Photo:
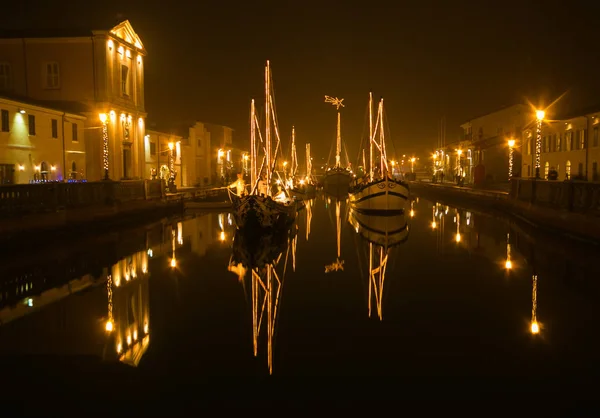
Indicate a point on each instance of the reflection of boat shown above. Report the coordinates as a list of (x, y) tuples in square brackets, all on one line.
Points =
[(381, 193), (262, 255), (338, 264), (257, 209), (386, 231), (381, 234)]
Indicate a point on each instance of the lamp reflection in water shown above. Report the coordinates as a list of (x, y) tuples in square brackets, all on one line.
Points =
[(127, 323), (508, 264), (266, 257), (338, 264), (381, 234), (535, 326), (412, 208)]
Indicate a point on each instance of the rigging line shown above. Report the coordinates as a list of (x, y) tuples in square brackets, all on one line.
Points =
[(363, 134), (388, 134)]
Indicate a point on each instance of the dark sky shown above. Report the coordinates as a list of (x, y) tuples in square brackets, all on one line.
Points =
[(456, 59)]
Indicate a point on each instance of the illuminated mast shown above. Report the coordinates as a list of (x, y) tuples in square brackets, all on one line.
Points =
[(338, 150)]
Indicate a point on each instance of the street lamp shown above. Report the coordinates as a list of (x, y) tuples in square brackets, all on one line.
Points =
[(511, 145), (171, 162), (539, 114), (104, 121), (412, 164)]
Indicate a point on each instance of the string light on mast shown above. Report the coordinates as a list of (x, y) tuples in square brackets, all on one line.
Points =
[(539, 114)]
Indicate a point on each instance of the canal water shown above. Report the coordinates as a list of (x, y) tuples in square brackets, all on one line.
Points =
[(459, 296)]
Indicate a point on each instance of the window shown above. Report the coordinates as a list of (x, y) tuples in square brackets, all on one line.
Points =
[(595, 140), (5, 76), (32, 125), (546, 170), (568, 170), (558, 141), (52, 75), (595, 171), (5, 125), (581, 140), (54, 128), (569, 141), (580, 169), (75, 138), (152, 148), (124, 80), (73, 173), (199, 143)]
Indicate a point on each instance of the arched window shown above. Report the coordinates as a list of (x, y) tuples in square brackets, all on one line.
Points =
[(546, 170), (568, 170)]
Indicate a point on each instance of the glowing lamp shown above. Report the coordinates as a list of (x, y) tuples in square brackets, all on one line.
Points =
[(102, 117), (535, 328), (171, 145), (540, 114), (109, 326), (511, 143)]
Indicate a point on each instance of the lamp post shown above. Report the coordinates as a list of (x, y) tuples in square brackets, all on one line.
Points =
[(511, 145), (412, 164), (171, 161), (539, 114), (104, 121)]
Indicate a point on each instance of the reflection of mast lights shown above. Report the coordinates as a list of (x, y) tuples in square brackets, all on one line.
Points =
[(110, 321), (179, 233), (433, 223), (173, 259), (412, 210)]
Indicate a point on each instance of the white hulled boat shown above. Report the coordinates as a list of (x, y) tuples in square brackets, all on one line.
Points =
[(382, 193)]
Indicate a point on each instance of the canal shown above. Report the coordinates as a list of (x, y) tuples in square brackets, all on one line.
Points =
[(462, 297)]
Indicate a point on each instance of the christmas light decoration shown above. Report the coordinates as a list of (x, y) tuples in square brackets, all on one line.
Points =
[(538, 141), (104, 121)]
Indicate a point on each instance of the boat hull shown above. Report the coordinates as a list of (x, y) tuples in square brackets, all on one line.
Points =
[(337, 182), (385, 196), (262, 213), (304, 192)]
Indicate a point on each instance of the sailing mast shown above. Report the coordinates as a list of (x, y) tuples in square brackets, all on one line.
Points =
[(338, 149), (253, 173), (382, 142), (370, 136), (268, 126), (308, 164), (294, 165)]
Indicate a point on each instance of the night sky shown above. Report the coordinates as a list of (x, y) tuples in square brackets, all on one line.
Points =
[(427, 59)]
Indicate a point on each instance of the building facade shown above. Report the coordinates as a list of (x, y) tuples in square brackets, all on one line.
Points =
[(40, 144), (100, 69), (569, 147), (488, 139), (163, 153)]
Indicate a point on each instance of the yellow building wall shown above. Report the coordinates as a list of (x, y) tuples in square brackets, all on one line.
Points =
[(40, 156)]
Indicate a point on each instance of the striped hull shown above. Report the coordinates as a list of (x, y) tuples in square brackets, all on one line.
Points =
[(383, 196)]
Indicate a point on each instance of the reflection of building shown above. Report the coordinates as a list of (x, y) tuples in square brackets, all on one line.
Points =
[(39, 143), (129, 307), (487, 136), (102, 71)]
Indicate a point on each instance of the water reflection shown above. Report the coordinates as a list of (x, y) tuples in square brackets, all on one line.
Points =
[(266, 258), (338, 264), (381, 234)]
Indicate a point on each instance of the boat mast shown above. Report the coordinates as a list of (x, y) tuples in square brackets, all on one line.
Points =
[(253, 174), (381, 141), (364, 162), (370, 136), (268, 126), (337, 103), (308, 164), (338, 149), (294, 165)]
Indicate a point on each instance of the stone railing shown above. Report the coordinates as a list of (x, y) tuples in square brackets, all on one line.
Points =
[(46, 197), (573, 196)]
